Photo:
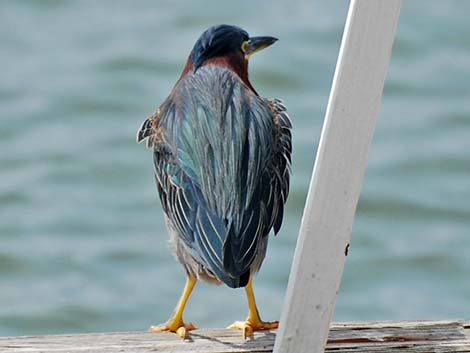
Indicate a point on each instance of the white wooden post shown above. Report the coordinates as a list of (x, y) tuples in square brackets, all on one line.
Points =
[(337, 176)]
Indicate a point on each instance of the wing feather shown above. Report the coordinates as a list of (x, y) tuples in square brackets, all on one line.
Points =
[(222, 163)]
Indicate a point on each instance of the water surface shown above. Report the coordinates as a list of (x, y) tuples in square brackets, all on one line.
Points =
[(82, 242)]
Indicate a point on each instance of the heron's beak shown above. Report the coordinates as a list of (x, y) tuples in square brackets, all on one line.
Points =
[(255, 44)]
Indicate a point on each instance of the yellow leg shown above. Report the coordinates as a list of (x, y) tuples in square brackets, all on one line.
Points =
[(253, 321), (176, 323)]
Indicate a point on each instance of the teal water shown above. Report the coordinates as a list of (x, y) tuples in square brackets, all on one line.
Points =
[(82, 242)]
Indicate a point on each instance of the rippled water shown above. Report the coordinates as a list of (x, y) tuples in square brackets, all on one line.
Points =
[(82, 242)]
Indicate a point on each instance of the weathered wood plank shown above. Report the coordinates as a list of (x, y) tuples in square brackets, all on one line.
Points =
[(377, 337), (337, 176)]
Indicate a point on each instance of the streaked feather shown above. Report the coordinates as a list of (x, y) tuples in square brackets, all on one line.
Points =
[(222, 164)]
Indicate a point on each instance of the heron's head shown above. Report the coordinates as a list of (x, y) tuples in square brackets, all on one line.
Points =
[(227, 41)]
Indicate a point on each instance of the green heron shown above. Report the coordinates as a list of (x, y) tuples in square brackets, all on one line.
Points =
[(221, 156)]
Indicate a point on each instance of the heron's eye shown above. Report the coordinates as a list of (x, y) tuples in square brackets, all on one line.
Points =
[(244, 46)]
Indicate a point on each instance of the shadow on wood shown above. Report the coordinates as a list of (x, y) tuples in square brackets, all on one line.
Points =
[(388, 336)]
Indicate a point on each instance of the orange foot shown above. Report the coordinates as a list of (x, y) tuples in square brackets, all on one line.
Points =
[(249, 326), (177, 326)]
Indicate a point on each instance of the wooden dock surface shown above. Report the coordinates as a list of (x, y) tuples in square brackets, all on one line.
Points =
[(388, 336)]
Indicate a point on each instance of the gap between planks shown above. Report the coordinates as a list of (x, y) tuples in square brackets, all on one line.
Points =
[(387, 336)]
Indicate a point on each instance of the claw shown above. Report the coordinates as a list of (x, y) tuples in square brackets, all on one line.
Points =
[(253, 321), (175, 323), (248, 327), (180, 328)]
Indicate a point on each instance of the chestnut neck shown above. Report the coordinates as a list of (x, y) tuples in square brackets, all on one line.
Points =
[(234, 62)]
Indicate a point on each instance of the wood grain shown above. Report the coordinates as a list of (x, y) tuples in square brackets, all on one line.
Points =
[(336, 181), (377, 337)]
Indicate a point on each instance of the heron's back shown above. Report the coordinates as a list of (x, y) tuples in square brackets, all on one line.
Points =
[(215, 170)]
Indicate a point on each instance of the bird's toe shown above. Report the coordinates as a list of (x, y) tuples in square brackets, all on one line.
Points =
[(180, 328), (249, 326)]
